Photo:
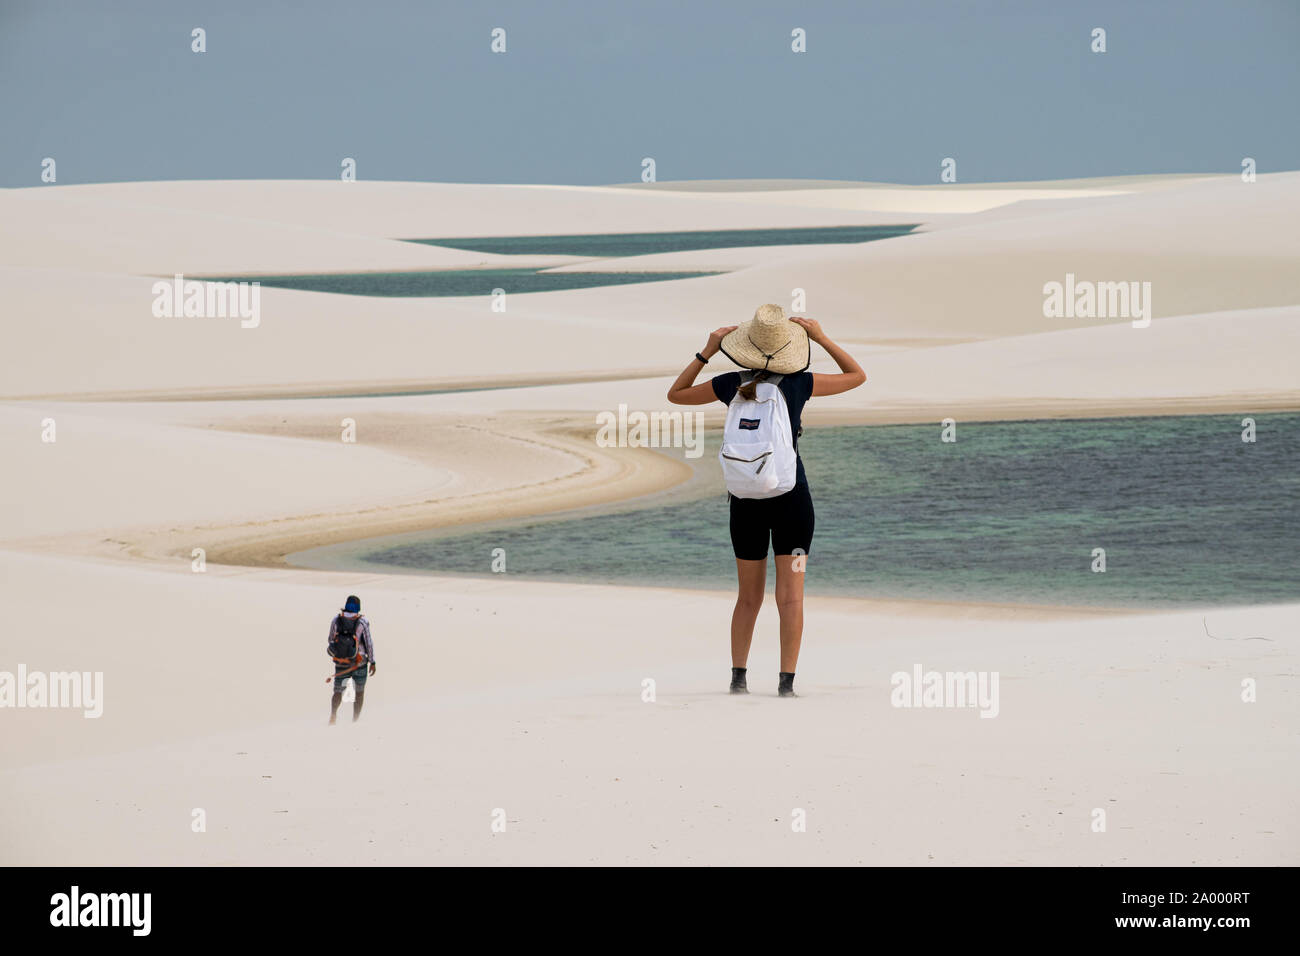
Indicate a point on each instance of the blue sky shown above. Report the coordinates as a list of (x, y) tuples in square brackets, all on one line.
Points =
[(886, 91)]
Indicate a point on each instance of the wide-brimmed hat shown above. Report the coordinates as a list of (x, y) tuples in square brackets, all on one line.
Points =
[(769, 342)]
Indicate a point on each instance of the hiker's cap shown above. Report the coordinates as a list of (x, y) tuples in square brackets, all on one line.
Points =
[(353, 604), (769, 342)]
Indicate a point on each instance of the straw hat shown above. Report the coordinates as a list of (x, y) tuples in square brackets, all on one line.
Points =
[(769, 342)]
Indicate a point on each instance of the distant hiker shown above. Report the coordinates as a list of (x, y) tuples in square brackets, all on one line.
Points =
[(353, 652), (767, 488)]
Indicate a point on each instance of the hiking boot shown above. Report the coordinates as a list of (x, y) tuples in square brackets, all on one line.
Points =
[(785, 685), (738, 685)]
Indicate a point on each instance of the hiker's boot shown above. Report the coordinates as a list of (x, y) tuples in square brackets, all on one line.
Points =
[(785, 685), (738, 685)]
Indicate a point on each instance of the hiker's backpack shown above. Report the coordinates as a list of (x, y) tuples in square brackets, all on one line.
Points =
[(344, 645), (758, 456)]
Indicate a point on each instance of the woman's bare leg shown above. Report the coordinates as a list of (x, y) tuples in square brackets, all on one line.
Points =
[(751, 576), (789, 603)]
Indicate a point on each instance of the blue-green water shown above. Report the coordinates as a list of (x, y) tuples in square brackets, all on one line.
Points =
[(456, 282), (480, 282), (1188, 515), (646, 243)]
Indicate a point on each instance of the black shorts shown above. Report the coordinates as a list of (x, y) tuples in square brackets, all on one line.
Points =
[(787, 520)]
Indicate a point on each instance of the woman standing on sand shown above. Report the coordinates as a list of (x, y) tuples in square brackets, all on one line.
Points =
[(775, 348)]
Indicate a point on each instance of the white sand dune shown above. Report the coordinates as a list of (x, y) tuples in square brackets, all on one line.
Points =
[(1205, 246), (1164, 365), (496, 693), (453, 210), (907, 200), (1141, 182), (114, 471), (52, 230), (95, 334)]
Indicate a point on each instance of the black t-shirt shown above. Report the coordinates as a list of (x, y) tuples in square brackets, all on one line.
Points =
[(796, 388)]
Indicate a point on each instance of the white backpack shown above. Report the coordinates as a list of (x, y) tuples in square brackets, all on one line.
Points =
[(758, 457)]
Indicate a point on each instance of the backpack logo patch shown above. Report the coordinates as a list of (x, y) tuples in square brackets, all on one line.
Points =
[(749, 424)]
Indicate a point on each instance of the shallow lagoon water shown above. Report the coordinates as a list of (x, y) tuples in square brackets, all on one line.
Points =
[(1188, 515)]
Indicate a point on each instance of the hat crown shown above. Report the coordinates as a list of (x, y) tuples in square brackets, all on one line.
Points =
[(769, 342), (770, 329)]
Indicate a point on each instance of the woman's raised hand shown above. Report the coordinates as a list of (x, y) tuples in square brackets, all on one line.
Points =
[(715, 340), (813, 328)]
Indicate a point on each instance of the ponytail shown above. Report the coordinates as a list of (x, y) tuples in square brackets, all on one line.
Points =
[(749, 390)]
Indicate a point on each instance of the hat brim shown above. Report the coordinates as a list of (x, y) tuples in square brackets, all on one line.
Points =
[(794, 357)]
